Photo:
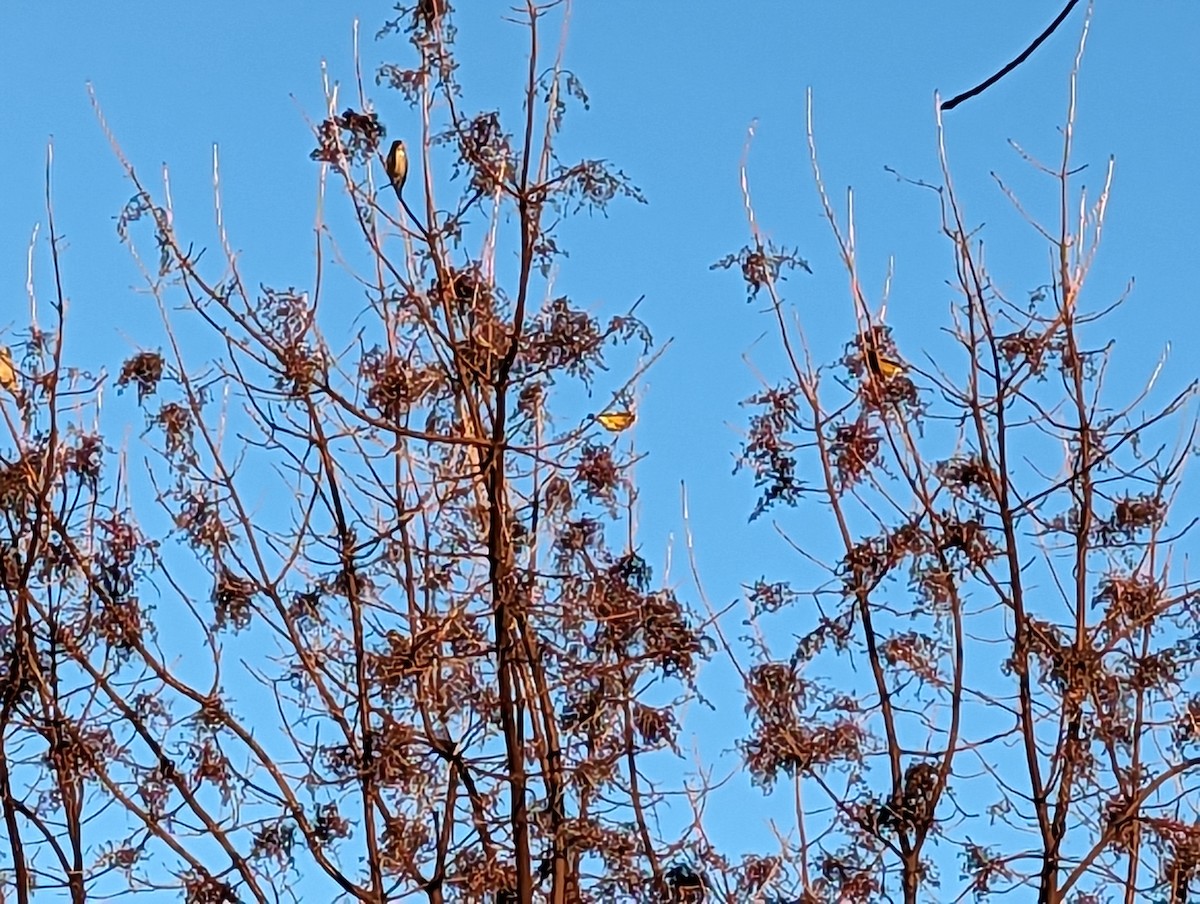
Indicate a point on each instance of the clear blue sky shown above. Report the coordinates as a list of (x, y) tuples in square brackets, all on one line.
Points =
[(673, 87)]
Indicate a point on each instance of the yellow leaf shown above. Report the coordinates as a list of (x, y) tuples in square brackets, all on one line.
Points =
[(616, 421)]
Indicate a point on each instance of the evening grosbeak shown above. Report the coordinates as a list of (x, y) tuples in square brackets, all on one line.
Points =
[(8, 376), (396, 164), (8, 373), (881, 367)]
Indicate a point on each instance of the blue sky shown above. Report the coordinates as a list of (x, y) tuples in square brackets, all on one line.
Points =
[(673, 86)]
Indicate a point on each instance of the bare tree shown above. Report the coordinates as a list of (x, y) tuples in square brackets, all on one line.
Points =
[(1010, 631), (398, 639)]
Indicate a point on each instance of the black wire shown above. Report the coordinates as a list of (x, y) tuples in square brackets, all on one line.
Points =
[(983, 86)]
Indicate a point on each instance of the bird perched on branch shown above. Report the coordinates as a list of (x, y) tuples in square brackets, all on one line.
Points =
[(396, 164), (8, 375), (616, 420), (882, 367)]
